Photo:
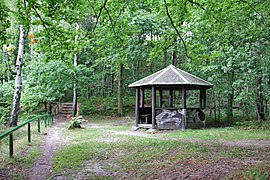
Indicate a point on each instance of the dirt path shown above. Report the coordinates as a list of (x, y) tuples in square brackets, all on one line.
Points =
[(51, 143)]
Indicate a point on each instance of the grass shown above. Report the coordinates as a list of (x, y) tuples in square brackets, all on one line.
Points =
[(131, 154), (148, 157), (25, 153), (256, 172), (109, 146), (24, 162), (228, 133)]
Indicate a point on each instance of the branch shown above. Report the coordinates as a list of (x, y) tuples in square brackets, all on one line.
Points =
[(40, 18), (178, 33), (111, 21), (99, 14), (243, 1), (197, 4), (92, 8)]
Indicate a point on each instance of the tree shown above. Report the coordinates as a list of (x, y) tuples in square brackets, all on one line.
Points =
[(18, 81)]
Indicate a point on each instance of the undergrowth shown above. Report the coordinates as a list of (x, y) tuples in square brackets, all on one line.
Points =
[(105, 106)]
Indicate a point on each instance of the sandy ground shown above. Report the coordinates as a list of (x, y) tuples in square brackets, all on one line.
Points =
[(184, 169), (51, 143)]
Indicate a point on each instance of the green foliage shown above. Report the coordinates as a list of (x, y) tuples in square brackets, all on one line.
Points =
[(4, 22), (45, 82), (106, 106), (228, 48), (6, 92), (248, 125)]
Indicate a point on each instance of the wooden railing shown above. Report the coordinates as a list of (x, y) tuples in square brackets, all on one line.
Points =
[(48, 121)]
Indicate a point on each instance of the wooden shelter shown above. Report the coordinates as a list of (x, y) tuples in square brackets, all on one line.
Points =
[(167, 82)]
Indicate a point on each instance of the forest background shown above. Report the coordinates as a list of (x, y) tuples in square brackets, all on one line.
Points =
[(99, 47)]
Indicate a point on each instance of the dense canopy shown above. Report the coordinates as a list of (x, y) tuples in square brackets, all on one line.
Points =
[(98, 48)]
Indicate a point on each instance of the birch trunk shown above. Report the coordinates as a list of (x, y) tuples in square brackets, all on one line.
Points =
[(18, 81), (74, 104), (75, 63)]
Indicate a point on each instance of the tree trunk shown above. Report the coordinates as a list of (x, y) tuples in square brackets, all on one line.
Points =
[(74, 103), (50, 107), (174, 58), (120, 89), (220, 103), (230, 107), (174, 55), (215, 106), (7, 66), (18, 81), (45, 107), (230, 97), (260, 99), (112, 83), (165, 56), (75, 63)]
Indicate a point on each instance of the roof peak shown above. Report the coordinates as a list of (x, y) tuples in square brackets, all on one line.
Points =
[(171, 75)]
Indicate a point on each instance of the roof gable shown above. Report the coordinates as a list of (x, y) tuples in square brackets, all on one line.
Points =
[(171, 76)]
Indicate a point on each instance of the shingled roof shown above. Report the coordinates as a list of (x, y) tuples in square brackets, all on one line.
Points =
[(172, 76)]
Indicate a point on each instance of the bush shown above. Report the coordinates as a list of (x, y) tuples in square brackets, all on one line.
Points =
[(75, 122), (106, 106), (253, 125)]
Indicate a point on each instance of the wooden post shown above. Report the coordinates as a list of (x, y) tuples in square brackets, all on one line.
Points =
[(153, 106), (10, 145), (142, 97), (160, 98), (184, 106), (45, 121), (184, 98), (202, 98), (137, 106), (29, 132), (39, 125), (171, 97)]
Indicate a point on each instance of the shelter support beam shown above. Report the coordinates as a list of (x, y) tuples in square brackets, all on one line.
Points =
[(142, 97), (184, 98), (160, 98), (171, 97), (153, 107), (202, 98), (184, 106), (137, 106)]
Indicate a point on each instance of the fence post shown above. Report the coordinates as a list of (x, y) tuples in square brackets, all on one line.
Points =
[(29, 132), (51, 119), (39, 124), (10, 145), (45, 119)]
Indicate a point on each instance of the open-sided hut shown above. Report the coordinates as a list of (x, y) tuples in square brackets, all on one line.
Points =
[(168, 113)]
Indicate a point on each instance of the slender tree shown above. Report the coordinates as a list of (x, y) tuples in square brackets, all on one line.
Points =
[(75, 63), (18, 81)]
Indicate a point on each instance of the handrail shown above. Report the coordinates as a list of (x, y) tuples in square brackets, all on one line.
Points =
[(47, 118), (18, 127), (10, 132), (56, 108)]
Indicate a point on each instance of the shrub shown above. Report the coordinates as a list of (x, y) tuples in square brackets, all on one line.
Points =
[(106, 106)]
